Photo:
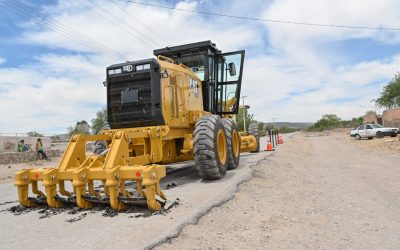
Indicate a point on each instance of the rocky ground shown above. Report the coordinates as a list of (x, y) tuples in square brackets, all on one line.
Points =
[(7, 171), (319, 191)]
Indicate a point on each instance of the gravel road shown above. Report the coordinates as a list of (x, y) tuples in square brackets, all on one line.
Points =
[(315, 192)]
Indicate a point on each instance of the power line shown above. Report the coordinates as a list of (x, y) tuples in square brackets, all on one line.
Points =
[(65, 31), (123, 22), (69, 33), (264, 20), (117, 25), (144, 25)]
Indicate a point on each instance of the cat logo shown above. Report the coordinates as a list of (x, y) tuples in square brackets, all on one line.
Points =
[(127, 68), (194, 87)]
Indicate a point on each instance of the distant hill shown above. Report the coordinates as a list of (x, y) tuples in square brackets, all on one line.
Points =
[(300, 125)]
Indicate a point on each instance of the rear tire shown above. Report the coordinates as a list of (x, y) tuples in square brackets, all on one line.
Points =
[(232, 141), (210, 148), (393, 135), (253, 130), (358, 137), (379, 134)]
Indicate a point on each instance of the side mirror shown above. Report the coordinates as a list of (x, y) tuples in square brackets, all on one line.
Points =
[(105, 83), (232, 69)]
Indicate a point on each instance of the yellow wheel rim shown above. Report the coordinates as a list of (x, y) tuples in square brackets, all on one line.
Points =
[(221, 146), (235, 143)]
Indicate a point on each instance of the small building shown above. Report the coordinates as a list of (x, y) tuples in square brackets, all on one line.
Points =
[(391, 118), (372, 117)]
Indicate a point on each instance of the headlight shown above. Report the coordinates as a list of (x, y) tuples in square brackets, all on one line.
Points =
[(114, 71), (142, 67)]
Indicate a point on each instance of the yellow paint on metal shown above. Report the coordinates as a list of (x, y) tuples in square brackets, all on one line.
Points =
[(236, 143), (221, 145), (248, 142), (132, 154)]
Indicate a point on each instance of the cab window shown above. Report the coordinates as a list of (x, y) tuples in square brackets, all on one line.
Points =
[(369, 127), (362, 127), (197, 63), (229, 78)]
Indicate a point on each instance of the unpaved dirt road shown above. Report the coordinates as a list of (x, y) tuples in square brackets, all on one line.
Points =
[(8, 171), (315, 192)]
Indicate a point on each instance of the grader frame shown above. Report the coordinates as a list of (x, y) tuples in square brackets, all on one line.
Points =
[(158, 114)]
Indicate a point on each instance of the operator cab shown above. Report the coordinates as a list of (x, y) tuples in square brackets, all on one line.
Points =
[(221, 73)]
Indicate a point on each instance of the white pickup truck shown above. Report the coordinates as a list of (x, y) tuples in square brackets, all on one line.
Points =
[(373, 130)]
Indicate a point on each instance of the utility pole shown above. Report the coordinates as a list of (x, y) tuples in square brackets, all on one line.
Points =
[(275, 116), (244, 114), (273, 121)]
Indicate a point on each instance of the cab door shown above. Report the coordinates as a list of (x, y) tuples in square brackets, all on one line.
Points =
[(369, 130), (362, 131), (229, 82)]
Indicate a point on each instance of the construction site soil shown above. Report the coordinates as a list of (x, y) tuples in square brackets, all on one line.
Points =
[(318, 190)]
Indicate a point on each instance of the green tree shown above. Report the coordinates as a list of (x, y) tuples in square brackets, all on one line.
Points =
[(100, 121), (239, 119), (328, 121), (288, 130), (34, 134), (390, 95), (354, 122), (81, 127)]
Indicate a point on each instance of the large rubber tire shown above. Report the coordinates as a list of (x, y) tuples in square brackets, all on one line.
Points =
[(379, 134), (210, 148), (358, 137), (100, 146), (253, 130), (232, 141)]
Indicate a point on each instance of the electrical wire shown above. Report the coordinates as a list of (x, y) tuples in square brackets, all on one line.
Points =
[(144, 35), (117, 25), (156, 34), (65, 31), (264, 20)]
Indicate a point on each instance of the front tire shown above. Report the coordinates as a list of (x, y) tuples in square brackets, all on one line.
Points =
[(358, 137), (253, 130), (233, 142), (379, 134), (210, 148)]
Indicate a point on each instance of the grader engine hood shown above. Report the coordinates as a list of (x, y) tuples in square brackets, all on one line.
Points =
[(133, 94)]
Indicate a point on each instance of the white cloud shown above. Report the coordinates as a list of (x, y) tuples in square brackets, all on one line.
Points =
[(2, 60), (289, 78), (367, 13), (300, 61), (58, 89)]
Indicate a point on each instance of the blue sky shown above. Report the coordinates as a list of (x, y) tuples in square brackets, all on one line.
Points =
[(50, 81)]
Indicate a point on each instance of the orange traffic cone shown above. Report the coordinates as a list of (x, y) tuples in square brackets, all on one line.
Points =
[(269, 145), (280, 138)]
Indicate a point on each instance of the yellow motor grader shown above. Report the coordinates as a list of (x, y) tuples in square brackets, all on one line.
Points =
[(177, 107)]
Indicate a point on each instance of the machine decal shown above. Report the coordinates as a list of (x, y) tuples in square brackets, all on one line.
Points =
[(127, 68), (194, 87)]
